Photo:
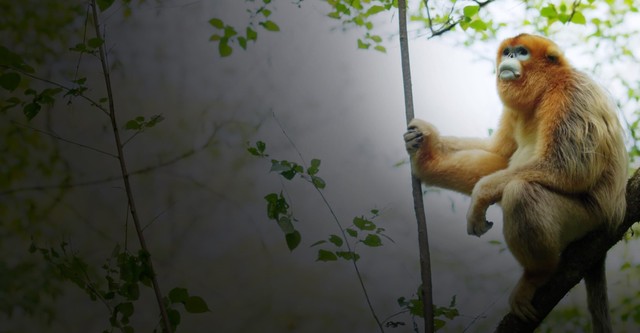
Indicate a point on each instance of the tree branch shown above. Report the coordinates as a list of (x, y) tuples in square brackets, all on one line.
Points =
[(577, 259), (450, 24), (426, 293), (166, 324)]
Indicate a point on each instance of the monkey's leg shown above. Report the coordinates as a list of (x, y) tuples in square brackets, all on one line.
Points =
[(538, 225), (522, 294)]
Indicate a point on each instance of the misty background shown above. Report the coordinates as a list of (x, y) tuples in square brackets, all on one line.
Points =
[(205, 214)]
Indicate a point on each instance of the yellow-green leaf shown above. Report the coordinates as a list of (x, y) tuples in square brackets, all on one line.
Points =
[(578, 18), (270, 25)]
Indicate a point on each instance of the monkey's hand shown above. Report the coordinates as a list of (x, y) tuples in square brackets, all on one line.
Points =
[(417, 132), (477, 223), (486, 192)]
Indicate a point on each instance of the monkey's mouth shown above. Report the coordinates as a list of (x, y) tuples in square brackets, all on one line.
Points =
[(509, 70), (509, 75)]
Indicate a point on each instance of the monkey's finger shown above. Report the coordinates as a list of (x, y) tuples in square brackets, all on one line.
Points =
[(480, 229), (411, 135), (526, 312)]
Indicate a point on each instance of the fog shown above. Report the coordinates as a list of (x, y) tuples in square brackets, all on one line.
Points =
[(207, 224)]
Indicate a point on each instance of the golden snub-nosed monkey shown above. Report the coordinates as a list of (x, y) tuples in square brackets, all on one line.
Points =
[(557, 165)]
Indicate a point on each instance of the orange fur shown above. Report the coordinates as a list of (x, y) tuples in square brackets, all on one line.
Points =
[(557, 162)]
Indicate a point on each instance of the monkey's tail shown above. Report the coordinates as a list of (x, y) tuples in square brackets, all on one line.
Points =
[(597, 300)]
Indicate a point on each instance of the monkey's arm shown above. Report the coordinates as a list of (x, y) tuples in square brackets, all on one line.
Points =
[(448, 162), (452, 143), (458, 171)]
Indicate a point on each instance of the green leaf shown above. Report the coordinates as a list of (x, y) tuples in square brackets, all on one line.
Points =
[(363, 224), (31, 110), (217, 23), (279, 166), (318, 182), (266, 12), (224, 49), (243, 42), (276, 205), (478, 25), (578, 18), (155, 119), (104, 4), (174, 317), (372, 240), (363, 45), (337, 240), (261, 146), (469, 11), (10, 81), (318, 243), (352, 232), (549, 12), (270, 25), (178, 295), (126, 309), (564, 18), (132, 125), (334, 15), (380, 48), (251, 34), (196, 304), (293, 240), (348, 255), (324, 255), (374, 10), (287, 169), (314, 168), (284, 222), (258, 150), (95, 42)]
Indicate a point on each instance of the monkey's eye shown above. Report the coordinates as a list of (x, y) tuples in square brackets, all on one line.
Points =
[(505, 52), (521, 51)]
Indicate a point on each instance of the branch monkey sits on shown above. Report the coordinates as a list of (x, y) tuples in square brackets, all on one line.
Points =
[(557, 165)]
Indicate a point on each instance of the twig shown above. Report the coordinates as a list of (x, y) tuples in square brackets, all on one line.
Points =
[(342, 231), (418, 204), (143, 170), (56, 136), (63, 87), (451, 24), (123, 169)]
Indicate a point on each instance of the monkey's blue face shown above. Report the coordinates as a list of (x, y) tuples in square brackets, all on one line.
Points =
[(510, 68)]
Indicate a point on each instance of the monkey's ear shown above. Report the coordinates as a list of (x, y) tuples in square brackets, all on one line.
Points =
[(554, 54)]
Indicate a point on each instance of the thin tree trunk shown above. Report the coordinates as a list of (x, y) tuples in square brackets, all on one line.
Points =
[(418, 204)]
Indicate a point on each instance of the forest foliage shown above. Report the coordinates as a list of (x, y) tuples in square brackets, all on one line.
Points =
[(48, 53)]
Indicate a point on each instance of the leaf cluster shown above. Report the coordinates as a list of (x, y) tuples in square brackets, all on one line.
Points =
[(227, 34), (360, 14), (441, 314), (118, 288), (362, 231)]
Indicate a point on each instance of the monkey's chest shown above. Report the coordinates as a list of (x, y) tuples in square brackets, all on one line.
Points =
[(526, 150)]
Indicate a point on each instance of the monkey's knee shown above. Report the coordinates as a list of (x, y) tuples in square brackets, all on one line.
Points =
[(530, 231), (521, 200)]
